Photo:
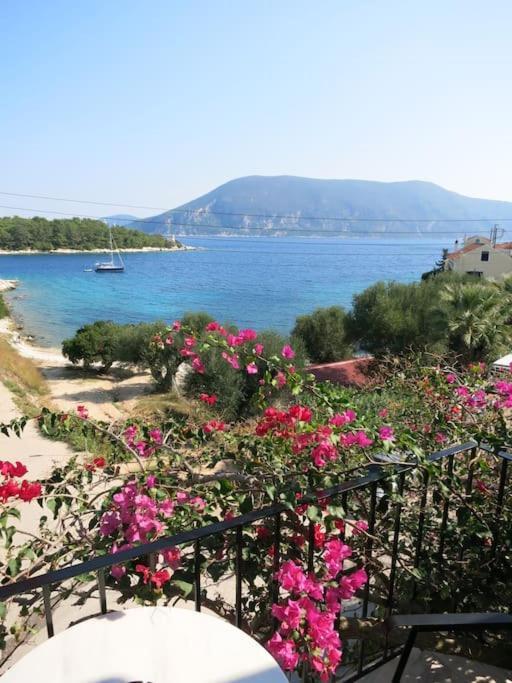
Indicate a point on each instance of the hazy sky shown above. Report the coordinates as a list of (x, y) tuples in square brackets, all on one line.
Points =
[(157, 102)]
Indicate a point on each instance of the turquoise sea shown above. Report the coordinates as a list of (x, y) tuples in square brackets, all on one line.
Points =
[(261, 282)]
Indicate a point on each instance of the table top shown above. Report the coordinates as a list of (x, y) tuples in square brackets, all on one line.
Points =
[(148, 645)]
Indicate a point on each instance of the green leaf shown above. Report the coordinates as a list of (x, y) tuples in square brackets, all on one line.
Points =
[(185, 587), (314, 513)]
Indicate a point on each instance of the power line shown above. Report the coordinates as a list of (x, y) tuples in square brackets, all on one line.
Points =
[(255, 215), (275, 229)]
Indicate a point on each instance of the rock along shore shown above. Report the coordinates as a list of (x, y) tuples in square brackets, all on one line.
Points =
[(5, 285), (92, 251)]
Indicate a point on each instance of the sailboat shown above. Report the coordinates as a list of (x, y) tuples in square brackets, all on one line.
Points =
[(111, 266)]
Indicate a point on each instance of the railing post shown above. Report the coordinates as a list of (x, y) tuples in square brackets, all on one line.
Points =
[(368, 558), (238, 578), (48, 610), (197, 576), (404, 658), (499, 507), (102, 590), (421, 524)]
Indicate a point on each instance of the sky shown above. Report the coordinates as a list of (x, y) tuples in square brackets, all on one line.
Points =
[(155, 103)]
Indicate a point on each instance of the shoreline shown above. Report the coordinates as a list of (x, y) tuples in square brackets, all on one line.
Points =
[(8, 285), (29, 252)]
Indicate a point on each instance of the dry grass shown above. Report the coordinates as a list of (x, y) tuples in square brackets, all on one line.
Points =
[(161, 405), (23, 379)]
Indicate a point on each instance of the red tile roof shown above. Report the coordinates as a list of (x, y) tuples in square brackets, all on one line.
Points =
[(464, 250), (352, 372), (471, 247)]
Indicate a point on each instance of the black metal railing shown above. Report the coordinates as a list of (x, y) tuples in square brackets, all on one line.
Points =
[(371, 485)]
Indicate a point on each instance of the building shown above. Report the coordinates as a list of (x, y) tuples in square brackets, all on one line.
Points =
[(482, 257)]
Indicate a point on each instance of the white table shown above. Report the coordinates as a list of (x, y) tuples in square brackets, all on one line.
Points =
[(152, 645)]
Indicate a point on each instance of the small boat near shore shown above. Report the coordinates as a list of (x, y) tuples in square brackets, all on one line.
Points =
[(111, 266)]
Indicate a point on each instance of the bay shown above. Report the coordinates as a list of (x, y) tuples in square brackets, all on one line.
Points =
[(258, 282)]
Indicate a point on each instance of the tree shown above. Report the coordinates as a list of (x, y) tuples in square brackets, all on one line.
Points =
[(324, 334), (439, 266), (94, 343), (396, 318), (477, 320)]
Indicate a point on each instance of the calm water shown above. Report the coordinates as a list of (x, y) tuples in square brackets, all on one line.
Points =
[(263, 282)]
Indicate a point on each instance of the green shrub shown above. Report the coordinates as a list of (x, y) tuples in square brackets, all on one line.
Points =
[(323, 334), (94, 343), (4, 311), (236, 391)]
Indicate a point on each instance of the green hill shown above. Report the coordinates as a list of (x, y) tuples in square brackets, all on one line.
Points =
[(82, 234), (288, 205)]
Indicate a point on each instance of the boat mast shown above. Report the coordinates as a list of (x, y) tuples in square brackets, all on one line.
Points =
[(111, 245)]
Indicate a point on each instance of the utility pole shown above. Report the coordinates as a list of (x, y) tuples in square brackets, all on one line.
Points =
[(494, 234)]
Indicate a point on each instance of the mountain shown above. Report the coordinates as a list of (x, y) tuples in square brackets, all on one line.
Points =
[(121, 219), (287, 205)]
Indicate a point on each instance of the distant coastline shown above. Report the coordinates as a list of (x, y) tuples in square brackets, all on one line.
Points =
[(28, 252)]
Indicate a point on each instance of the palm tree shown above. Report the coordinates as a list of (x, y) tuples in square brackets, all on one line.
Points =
[(477, 319)]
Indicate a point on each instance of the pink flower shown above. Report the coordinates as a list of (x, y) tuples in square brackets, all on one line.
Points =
[(383, 413), (118, 571), (190, 342), (451, 378), (198, 366), (323, 452), (351, 583), (291, 577), (335, 551), (233, 360), (129, 434), (280, 379), (287, 352), (300, 413), (252, 369), (82, 412), (156, 436), (284, 652), (258, 349), (198, 503), (247, 335), (176, 326), (289, 615), (166, 508), (386, 433), (172, 557), (359, 527), (182, 497), (169, 340), (214, 426), (212, 327), (110, 522), (151, 481), (341, 419), (440, 437)]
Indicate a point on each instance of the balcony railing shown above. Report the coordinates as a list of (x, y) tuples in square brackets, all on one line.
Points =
[(371, 493)]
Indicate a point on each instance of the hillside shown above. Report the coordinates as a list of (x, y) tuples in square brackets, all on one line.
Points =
[(302, 199), (41, 234), (120, 219)]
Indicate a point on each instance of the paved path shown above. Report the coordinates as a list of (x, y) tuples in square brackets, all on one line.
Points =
[(434, 667), (32, 449)]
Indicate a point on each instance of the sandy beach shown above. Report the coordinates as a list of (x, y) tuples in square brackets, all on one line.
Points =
[(107, 397)]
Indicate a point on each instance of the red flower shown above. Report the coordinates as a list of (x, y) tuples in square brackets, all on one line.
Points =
[(211, 400), (145, 571), (10, 469), (29, 490), (160, 577)]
